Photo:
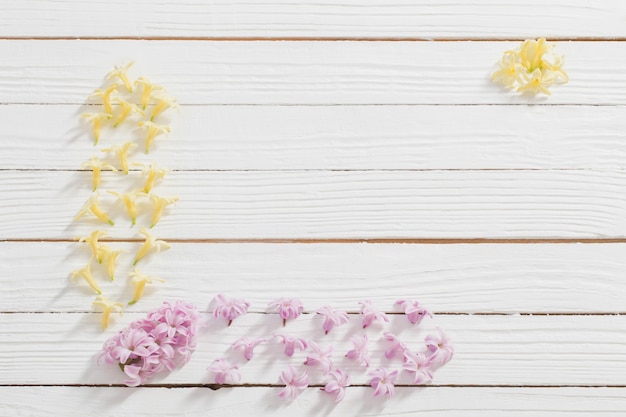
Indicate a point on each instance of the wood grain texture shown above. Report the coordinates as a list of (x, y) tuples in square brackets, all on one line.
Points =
[(482, 19), (335, 137), (548, 278), (200, 72), (489, 350), (199, 402), (330, 204)]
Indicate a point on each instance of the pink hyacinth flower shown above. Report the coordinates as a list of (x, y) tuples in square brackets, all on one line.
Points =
[(413, 310), (288, 308), (383, 382), (321, 357), (360, 352), (337, 387), (440, 347), (419, 365), (332, 318), (396, 345), (291, 343), (224, 370), (248, 345), (294, 383), (371, 314), (229, 308)]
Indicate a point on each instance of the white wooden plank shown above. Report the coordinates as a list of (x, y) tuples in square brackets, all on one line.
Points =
[(331, 204), (336, 137), (258, 402), (201, 72), (509, 278), (320, 19), (489, 350)]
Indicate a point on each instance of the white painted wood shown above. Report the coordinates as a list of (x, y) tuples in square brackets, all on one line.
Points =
[(446, 278), (258, 402), (489, 350), (330, 204), (336, 137), (201, 72), (320, 19)]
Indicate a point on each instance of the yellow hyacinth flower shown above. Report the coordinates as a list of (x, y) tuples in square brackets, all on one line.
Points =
[(148, 90), (129, 200), (109, 257), (154, 130), (531, 68), (121, 152), (97, 165), (105, 95), (121, 72), (93, 241), (163, 102), (108, 307), (150, 244), (139, 280), (126, 109), (92, 206), (159, 205), (96, 120), (85, 273), (152, 174)]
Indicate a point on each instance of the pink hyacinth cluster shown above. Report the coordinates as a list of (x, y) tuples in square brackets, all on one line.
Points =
[(159, 342), (400, 362)]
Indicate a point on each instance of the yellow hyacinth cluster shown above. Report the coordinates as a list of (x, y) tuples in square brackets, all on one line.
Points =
[(136, 106), (531, 68)]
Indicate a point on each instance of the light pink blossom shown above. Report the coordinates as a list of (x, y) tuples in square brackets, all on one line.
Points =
[(383, 381), (248, 345), (396, 345), (320, 356), (224, 370), (332, 318), (294, 383), (229, 308), (288, 308), (291, 343), (337, 386), (419, 365), (440, 347), (371, 314), (360, 352), (167, 336), (413, 310)]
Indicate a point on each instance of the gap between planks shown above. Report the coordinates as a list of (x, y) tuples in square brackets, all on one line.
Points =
[(216, 387), (301, 39)]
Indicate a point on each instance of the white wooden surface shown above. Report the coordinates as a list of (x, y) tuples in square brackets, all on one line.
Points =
[(329, 123)]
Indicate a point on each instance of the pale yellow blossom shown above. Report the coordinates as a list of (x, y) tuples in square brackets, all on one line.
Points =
[(97, 165), (130, 202), (96, 120), (93, 241), (159, 205), (109, 257), (105, 94), (150, 244), (139, 280), (121, 152), (152, 174), (121, 72), (154, 130), (108, 307), (148, 90), (531, 68), (85, 273), (92, 206), (126, 109), (163, 102)]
